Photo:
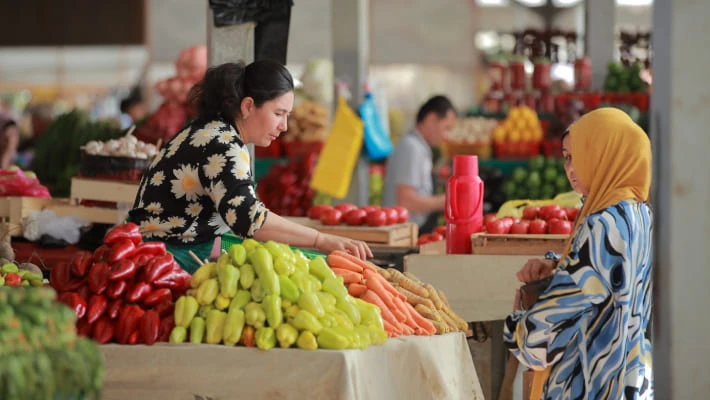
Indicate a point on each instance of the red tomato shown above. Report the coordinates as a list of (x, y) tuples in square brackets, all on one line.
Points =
[(571, 213), (560, 228), (355, 217), (546, 211), (520, 228), (370, 208), (376, 218), (403, 214), (509, 221), (316, 211), (498, 227), (530, 212), (441, 230), (345, 207), (331, 217), (392, 215), (538, 227), (488, 217), (557, 214), (435, 237), (423, 239)]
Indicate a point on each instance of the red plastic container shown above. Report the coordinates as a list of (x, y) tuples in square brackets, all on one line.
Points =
[(496, 75), (541, 78), (464, 205), (583, 73), (516, 72)]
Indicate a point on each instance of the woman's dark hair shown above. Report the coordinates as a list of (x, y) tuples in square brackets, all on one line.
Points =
[(437, 104), (221, 91), (564, 134)]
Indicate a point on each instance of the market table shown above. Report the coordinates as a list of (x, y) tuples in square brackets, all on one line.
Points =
[(414, 367)]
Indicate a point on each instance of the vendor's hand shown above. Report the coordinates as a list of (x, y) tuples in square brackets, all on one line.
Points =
[(535, 269), (328, 243)]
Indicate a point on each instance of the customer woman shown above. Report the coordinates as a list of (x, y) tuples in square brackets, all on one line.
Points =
[(200, 186), (585, 335)]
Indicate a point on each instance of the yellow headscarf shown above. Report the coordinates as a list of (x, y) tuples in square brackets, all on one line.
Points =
[(611, 156)]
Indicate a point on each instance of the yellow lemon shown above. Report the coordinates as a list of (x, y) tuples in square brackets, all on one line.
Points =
[(499, 134), (514, 113), (514, 135)]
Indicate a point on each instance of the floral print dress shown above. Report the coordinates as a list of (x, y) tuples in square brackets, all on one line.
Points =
[(199, 187)]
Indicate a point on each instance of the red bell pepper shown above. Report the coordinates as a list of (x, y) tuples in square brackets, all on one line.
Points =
[(97, 308), (158, 296), (120, 249), (103, 330), (128, 323), (167, 324), (122, 269), (140, 291), (85, 293), (159, 267), (165, 307), (80, 263), (176, 280), (101, 254), (12, 279), (247, 338), (149, 326), (116, 289), (153, 249), (128, 230), (141, 260), (98, 277), (59, 276), (75, 302), (134, 338), (114, 308), (83, 328)]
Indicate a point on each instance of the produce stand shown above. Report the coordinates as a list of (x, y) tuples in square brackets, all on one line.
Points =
[(14, 209), (413, 367), (399, 235), (102, 190), (510, 244)]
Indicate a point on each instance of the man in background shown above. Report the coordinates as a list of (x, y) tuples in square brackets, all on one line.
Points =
[(408, 180), (133, 109)]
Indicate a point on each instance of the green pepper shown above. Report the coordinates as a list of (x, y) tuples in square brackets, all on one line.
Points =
[(271, 284), (250, 244), (327, 300), (223, 260), (291, 311), (197, 330), (221, 302), (328, 321), (242, 298), (215, 326), (238, 254), (315, 283), (318, 267), (178, 335), (275, 249), (284, 267), (233, 326), (370, 314), (302, 281), (247, 276), (254, 315), (264, 266), (272, 308), (309, 302), (288, 252), (335, 287), (287, 335), (228, 276), (257, 290), (364, 335), (185, 309), (330, 339), (350, 309), (342, 319), (204, 310), (9, 267), (306, 321), (377, 335), (289, 290), (307, 341), (265, 338), (202, 274), (207, 292)]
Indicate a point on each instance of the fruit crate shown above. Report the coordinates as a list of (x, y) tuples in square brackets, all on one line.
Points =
[(534, 245), (102, 191), (516, 150), (13, 211), (398, 235), (110, 168)]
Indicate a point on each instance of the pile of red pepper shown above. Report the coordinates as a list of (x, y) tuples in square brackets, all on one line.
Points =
[(124, 291)]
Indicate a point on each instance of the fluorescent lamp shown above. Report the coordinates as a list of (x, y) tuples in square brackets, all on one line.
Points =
[(492, 3), (532, 3), (634, 3)]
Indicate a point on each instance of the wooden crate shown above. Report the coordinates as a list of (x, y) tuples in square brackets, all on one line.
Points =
[(99, 215), (535, 245), (100, 190), (13, 210), (401, 235), (433, 248)]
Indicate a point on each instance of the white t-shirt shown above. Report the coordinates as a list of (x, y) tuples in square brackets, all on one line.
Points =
[(410, 164)]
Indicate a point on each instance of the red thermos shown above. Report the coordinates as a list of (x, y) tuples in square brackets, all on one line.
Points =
[(464, 205)]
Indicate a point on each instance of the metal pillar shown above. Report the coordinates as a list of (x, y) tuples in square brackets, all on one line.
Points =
[(230, 44), (351, 57), (600, 37), (681, 194)]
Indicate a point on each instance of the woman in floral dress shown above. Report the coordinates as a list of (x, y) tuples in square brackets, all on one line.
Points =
[(200, 186)]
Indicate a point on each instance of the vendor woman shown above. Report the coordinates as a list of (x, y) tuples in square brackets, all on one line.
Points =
[(200, 185)]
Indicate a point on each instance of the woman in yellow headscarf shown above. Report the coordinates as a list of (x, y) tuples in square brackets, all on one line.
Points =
[(585, 335)]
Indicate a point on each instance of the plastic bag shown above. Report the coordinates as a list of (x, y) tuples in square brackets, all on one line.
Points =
[(16, 183), (377, 142), (46, 222)]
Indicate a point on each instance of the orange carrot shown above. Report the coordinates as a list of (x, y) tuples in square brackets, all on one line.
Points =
[(372, 298), (391, 330), (356, 289), (400, 306), (377, 287), (348, 276), (338, 261), (424, 323), (407, 331), (364, 264), (370, 275)]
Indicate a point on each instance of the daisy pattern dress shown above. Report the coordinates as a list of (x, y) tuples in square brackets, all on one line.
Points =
[(590, 323), (198, 187)]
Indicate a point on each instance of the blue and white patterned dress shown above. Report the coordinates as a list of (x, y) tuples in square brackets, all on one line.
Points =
[(590, 323)]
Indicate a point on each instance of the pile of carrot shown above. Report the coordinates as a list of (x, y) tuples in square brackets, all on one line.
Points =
[(364, 281)]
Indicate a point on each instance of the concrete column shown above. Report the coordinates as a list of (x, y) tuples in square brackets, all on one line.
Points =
[(600, 37), (681, 195), (351, 58), (230, 44)]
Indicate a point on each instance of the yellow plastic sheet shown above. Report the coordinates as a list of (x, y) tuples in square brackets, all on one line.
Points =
[(514, 208), (337, 160)]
